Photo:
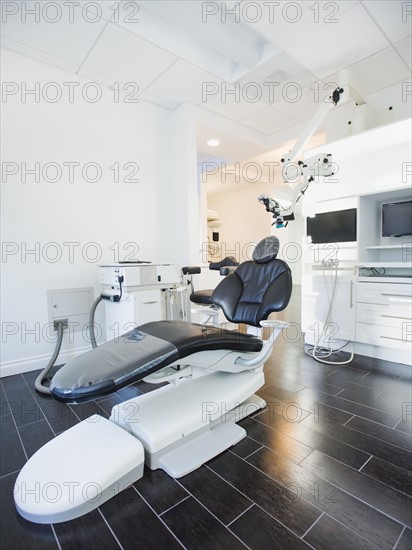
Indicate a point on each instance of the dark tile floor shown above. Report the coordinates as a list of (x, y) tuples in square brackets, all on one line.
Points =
[(326, 465)]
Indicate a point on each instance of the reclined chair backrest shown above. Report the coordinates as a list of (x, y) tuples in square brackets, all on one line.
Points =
[(257, 288)]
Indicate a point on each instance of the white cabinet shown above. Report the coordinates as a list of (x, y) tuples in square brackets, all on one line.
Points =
[(317, 292), (373, 302), (384, 314)]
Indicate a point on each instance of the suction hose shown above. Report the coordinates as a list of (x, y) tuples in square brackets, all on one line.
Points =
[(91, 321), (38, 383)]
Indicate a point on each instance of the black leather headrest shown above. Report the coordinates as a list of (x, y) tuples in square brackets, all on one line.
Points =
[(266, 250)]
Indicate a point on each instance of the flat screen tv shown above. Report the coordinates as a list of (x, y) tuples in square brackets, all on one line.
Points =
[(332, 227), (397, 219)]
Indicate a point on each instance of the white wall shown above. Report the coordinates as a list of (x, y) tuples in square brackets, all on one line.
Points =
[(244, 220), (107, 213)]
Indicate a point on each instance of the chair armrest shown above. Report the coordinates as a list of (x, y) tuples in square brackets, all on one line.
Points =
[(227, 270), (191, 270)]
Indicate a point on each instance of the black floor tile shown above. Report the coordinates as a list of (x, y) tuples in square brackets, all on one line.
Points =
[(405, 542), (381, 432), (129, 392), (197, 529), (159, 490), (145, 387), (375, 382), (284, 407), (246, 447), (260, 531), (385, 499), (274, 498), (307, 401), (35, 436), (405, 426), (85, 410), (379, 366), (4, 406), (376, 400), (316, 440), (388, 473), (135, 525), (21, 401), (350, 383), (351, 512), (220, 498), (16, 532), (59, 415), (351, 407), (281, 443), (312, 379), (12, 457), (328, 534), (364, 442), (89, 531), (289, 385)]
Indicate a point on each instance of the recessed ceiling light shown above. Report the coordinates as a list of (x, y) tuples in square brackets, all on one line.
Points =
[(213, 142)]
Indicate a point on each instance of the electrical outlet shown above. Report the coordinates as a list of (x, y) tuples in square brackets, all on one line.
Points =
[(333, 262), (56, 324)]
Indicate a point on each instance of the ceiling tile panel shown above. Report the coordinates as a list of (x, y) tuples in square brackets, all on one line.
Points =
[(370, 77), (392, 17), (404, 48), (63, 31), (268, 120), (235, 105), (127, 58), (285, 23), (340, 45), (185, 82), (39, 55), (300, 106)]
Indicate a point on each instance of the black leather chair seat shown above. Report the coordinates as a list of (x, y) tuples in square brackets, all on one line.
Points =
[(203, 297), (140, 352), (191, 338)]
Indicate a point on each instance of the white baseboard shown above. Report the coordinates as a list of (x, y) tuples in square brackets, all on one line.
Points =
[(387, 354), (36, 362)]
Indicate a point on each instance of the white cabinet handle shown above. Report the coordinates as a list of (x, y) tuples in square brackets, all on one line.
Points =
[(351, 295), (152, 302)]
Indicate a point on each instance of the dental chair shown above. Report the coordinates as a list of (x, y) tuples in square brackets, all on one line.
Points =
[(203, 298), (213, 374)]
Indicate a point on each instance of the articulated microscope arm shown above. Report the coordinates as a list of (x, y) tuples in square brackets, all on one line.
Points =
[(300, 174)]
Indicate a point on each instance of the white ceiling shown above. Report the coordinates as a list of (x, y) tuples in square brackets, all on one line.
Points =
[(172, 49)]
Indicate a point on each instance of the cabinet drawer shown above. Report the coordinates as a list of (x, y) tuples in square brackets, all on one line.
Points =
[(389, 337), (388, 316), (384, 293), (147, 306)]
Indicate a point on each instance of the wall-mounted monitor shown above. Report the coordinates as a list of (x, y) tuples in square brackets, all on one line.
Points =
[(332, 227), (397, 219)]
